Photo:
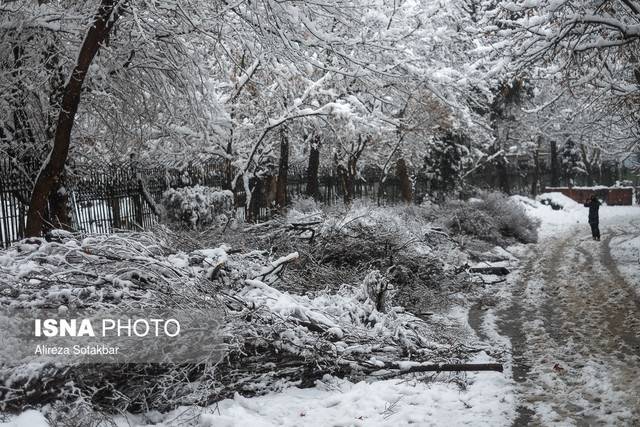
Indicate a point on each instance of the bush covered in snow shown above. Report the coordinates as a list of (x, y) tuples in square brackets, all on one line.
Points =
[(492, 217), (197, 207), (305, 205)]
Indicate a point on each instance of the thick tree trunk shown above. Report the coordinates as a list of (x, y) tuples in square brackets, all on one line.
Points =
[(49, 175), (347, 175), (346, 178), (352, 172), (270, 190), (536, 173), (503, 176), (555, 168), (343, 179), (257, 199), (283, 171), (59, 216), (405, 182), (313, 186)]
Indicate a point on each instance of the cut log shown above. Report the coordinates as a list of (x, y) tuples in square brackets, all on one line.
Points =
[(453, 367), (498, 271)]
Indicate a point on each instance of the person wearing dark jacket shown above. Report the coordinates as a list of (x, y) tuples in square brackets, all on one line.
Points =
[(594, 205)]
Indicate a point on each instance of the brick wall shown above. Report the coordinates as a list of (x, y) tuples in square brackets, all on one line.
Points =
[(613, 196)]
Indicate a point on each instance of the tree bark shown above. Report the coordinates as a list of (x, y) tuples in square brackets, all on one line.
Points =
[(270, 190), (536, 173), (555, 168), (343, 180), (283, 171), (257, 199), (49, 175), (347, 175), (405, 182), (313, 185), (503, 175), (348, 179), (59, 216), (536, 168)]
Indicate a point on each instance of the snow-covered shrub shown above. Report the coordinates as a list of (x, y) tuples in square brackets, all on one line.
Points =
[(305, 205), (492, 217), (197, 207), (469, 219), (510, 217)]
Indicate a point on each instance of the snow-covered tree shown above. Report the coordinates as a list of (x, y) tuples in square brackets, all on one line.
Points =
[(571, 163), (590, 48), (111, 76), (259, 85)]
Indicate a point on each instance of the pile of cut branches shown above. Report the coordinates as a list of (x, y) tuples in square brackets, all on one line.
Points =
[(272, 338), (416, 256)]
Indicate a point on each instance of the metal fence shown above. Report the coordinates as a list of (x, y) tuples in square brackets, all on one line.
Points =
[(106, 198), (15, 191)]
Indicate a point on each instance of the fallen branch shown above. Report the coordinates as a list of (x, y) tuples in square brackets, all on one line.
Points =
[(300, 228), (276, 268), (498, 271), (492, 282), (455, 367), (437, 368)]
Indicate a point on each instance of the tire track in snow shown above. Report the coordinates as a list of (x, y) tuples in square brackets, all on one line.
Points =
[(572, 310)]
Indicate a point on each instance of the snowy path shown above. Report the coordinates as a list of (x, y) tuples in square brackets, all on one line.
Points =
[(574, 325)]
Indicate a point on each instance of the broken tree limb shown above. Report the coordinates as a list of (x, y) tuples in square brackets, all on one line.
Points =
[(459, 367), (276, 267), (492, 282), (449, 367), (498, 271), (300, 228), (305, 224)]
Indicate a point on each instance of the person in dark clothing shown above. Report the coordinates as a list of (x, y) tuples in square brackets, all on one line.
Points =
[(594, 205)]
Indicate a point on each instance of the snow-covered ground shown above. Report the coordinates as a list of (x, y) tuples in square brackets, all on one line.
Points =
[(485, 402), (572, 319), (555, 222), (625, 250), (29, 418)]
